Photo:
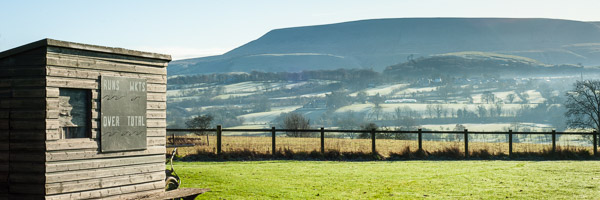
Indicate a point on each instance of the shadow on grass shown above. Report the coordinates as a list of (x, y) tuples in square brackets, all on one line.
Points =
[(449, 153)]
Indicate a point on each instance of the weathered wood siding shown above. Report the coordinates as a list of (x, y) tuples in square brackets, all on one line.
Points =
[(75, 168), (22, 125), (36, 161)]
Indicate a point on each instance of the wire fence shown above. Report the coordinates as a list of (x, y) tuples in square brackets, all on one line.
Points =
[(382, 142)]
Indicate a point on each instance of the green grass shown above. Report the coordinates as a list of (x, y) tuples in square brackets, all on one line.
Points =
[(394, 180)]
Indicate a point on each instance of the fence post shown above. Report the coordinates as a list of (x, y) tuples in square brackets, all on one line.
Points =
[(173, 139), (420, 137), (273, 141), (510, 142), (466, 143), (595, 142), (553, 141), (322, 140), (219, 132), (373, 150)]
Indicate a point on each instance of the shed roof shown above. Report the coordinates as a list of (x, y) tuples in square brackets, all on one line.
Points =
[(87, 47)]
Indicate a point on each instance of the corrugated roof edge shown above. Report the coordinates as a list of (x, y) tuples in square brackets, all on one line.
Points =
[(87, 47)]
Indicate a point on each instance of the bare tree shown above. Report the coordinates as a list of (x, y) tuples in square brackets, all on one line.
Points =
[(405, 118), (482, 111), (398, 113), (498, 109), (376, 112), (488, 97), (297, 122), (583, 105), (458, 127), (439, 110), (368, 127), (200, 122), (511, 97), (430, 110), (405, 111), (377, 100)]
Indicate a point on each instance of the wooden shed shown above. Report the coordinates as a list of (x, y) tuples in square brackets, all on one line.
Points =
[(81, 121)]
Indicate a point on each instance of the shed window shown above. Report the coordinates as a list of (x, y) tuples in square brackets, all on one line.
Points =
[(74, 113)]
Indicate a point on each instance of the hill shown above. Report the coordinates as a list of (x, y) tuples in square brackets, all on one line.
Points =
[(379, 43), (476, 63)]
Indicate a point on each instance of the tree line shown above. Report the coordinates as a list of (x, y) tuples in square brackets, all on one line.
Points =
[(221, 78)]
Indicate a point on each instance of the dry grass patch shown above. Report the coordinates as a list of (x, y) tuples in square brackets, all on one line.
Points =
[(246, 147)]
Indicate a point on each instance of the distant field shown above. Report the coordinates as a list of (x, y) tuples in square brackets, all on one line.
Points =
[(383, 90), (389, 91), (266, 117), (389, 108), (394, 180)]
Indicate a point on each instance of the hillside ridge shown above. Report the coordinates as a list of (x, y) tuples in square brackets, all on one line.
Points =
[(379, 43), (478, 63)]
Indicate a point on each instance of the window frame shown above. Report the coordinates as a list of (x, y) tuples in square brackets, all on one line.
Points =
[(88, 117)]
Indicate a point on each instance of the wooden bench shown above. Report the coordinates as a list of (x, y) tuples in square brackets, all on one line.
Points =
[(183, 193)]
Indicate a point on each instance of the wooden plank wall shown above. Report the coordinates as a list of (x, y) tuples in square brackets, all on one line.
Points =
[(22, 125), (5, 95), (75, 168)]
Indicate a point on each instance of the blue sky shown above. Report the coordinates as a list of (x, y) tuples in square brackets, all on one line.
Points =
[(187, 29)]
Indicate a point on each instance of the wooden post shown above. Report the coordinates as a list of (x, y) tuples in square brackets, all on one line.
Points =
[(510, 142), (595, 142), (219, 132), (373, 150), (553, 141), (273, 144), (420, 137), (322, 140), (173, 139), (466, 143)]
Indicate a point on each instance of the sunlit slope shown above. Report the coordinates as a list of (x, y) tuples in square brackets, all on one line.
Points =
[(477, 63)]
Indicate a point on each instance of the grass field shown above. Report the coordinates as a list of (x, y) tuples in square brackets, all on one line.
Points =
[(394, 180)]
